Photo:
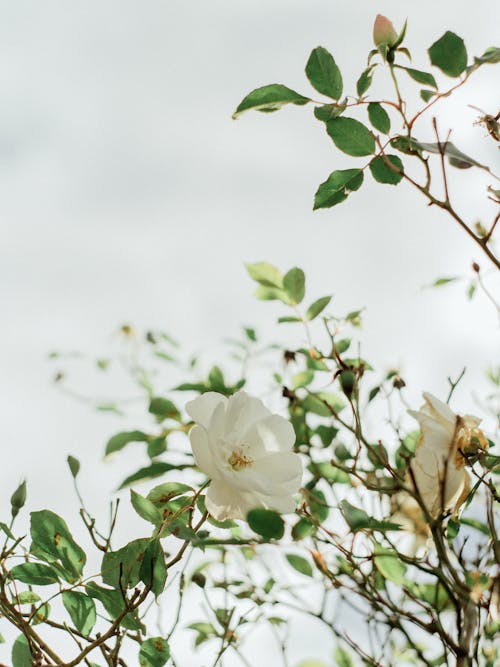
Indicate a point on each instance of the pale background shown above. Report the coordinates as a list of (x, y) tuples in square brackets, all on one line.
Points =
[(127, 194)]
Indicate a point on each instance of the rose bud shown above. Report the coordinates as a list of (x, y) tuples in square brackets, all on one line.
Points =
[(383, 31)]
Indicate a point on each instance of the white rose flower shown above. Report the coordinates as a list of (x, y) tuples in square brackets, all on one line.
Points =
[(247, 453), (439, 465)]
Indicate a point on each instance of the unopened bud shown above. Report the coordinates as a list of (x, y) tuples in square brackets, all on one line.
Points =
[(476, 267), (383, 31), (18, 499)]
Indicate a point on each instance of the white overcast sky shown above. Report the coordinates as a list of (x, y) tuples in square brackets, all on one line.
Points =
[(127, 193)]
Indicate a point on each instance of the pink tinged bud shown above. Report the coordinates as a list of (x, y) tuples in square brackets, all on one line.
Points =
[(383, 31)]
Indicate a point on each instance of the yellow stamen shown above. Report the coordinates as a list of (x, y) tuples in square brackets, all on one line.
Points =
[(238, 460)]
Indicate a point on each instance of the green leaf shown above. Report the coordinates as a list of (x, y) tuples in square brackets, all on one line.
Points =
[(417, 75), (302, 529), (294, 283), (350, 136), (270, 98), (74, 465), (389, 565), (153, 571), (156, 469), (323, 404), (265, 274), (327, 112), (5, 528), (337, 187), (449, 54), (491, 55), (342, 658), (382, 173), (330, 473), (300, 564), (272, 294), (162, 407), (145, 508), (164, 493), (81, 609), (317, 307), (118, 441), (121, 568), (379, 117), (364, 81), (112, 601), (36, 574), (302, 379), (358, 519), (318, 505), (51, 535), (266, 523), (323, 73), (28, 597), (21, 654), (439, 282), (154, 652), (427, 95)]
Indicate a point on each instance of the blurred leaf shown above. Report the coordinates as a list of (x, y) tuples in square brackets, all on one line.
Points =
[(154, 652), (358, 519), (162, 407), (389, 565), (350, 136), (266, 523), (156, 469), (265, 274), (21, 654), (270, 98), (449, 54), (317, 307), (294, 284), (337, 188), (118, 441), (74, 465), (379, 117), (323, 73), (302, 529), (342, 658), (81, 609), (323, 404), (300, 564), (302, 379)]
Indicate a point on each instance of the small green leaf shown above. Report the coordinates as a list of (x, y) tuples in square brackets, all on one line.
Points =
[(270, 98), (21, 654), (36, 574), (163, 407), (350, 136), (417, 75), (449, 54), (156, 469), (118, 441), (317, 307), (164, 493), (265, 274), (342, 658), (364, 81), (302, 379), (327, 112), (381, 171), (300, 564), (324, 74), (337, 188), (427, 95), (302, 529), (154, 652), (294, 283), (266, 523), (112, 601), (491, 55), (324, 404), (271, 294), (28, 597), (145, 508), (379, 117), (389, 565), (358, 519), (81, 609), (74, 465), (5, 528)]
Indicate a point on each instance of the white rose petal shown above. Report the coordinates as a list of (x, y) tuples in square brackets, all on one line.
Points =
[(439, 465), (247, 453)]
